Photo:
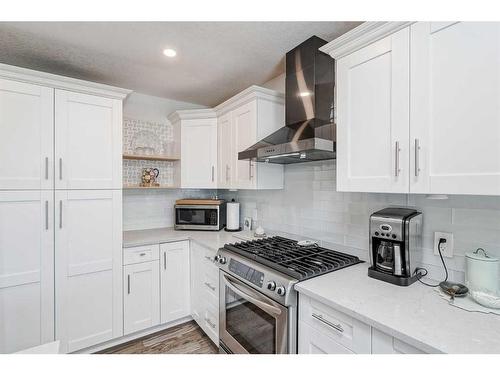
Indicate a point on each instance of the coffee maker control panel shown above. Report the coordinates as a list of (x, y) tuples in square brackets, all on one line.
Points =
[(388, 231)]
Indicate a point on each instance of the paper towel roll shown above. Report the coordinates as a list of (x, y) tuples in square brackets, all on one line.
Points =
[(233, 216)]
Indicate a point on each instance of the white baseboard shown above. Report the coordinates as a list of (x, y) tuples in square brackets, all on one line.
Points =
[(132, 336)]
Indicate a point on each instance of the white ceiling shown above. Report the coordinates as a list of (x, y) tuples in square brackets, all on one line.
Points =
[(215, 59)]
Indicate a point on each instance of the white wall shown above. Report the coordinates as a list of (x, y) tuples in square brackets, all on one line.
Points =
[(277, 83), (144, 209), (152, 108)]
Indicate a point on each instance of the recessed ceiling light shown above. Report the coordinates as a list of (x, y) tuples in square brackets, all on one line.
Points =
[(169, 52)]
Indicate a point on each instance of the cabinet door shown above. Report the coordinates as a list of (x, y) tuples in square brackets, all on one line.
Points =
[(199, 153), (226, 152), (88, 133), (141, 296), (26, 136), (88, 267), (26, 269), (174, 274), (244, 119), (312, 341), (373, 117), (455, 96)]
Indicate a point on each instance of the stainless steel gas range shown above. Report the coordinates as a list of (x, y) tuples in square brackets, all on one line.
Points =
[(258, 302)]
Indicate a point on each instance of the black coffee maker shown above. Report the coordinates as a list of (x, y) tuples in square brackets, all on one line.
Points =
[(395, 240)]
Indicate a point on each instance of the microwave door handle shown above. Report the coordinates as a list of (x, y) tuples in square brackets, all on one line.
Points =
[(250, 296)]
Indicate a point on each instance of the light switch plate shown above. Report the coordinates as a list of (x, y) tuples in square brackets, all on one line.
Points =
[(447, 247)]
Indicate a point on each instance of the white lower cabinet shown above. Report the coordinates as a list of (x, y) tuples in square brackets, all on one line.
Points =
[(386, 344), (205, 290), (141, 296), (26, 269), (88, 267), (174, 280), (325, 330)]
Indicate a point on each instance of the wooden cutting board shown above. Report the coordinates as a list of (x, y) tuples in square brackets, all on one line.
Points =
[(215, 202)]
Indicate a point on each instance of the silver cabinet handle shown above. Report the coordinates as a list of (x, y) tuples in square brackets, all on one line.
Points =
[(213, 173), (165, 260), (208, 258), (142, 254), (60, 215), (227, 173), (210, 286), (46, 168), (128, 284), (210, 323), (417, 157), (396, 172), (60, 169), (319, 317), (46, 215)]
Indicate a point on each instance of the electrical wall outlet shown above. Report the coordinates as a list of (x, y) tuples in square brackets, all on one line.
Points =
[(447, 247)]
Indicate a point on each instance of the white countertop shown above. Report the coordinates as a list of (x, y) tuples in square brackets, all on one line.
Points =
[(211, 239), (415, 314)]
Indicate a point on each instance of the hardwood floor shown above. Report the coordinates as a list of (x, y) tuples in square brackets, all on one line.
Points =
[(186, 338)]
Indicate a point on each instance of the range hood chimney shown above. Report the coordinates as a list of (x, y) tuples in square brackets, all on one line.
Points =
[(309, 133)]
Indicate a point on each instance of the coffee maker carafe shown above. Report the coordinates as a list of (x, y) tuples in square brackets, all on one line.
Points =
[(395, 235)]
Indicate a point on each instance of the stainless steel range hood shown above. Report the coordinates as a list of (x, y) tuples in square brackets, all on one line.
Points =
[(309, 133)]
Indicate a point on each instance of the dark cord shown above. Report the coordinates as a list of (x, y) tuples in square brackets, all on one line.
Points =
[(422, 272)]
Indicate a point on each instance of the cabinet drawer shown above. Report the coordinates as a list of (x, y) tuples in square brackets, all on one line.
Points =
[(312, 341), (383, 343), (344, 329), (211, 323), (210, 286), (139, 254)]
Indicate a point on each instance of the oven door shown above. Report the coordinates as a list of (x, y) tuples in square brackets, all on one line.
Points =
[(250, 322)]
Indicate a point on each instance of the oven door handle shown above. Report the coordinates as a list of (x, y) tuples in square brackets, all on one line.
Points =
[(249, 295)]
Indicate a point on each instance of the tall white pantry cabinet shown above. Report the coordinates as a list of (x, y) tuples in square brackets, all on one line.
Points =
[(60, 211)]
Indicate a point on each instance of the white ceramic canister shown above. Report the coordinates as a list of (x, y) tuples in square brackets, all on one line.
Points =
[(481, 271)]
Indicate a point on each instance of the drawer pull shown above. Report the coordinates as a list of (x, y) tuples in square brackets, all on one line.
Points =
[(210, 286), (338, 327), (210, 323), (208, 258), (142, 254)]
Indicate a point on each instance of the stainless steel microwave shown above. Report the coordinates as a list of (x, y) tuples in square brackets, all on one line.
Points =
[(200, 216)]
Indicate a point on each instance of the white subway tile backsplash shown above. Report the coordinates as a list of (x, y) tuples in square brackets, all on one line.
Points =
[(309, 205)]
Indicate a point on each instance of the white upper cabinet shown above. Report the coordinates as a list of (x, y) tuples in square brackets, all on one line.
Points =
[(26, 269), (26, 135), (88, 133), (174, 279), (225, 151), (88, 251), (198, 129), (455, 101), (244, 124), (431, 87), (244, 120), (373, 116)]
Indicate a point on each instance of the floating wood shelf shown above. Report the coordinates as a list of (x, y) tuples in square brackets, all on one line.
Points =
[(130, 187), (150, 157)]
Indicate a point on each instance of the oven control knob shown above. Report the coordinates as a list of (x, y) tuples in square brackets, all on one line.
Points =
[(271, 285), (281, 290), (222, 260)]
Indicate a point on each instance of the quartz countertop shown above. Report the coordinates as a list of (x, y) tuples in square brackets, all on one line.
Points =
[(415, 314), (210, 239)]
